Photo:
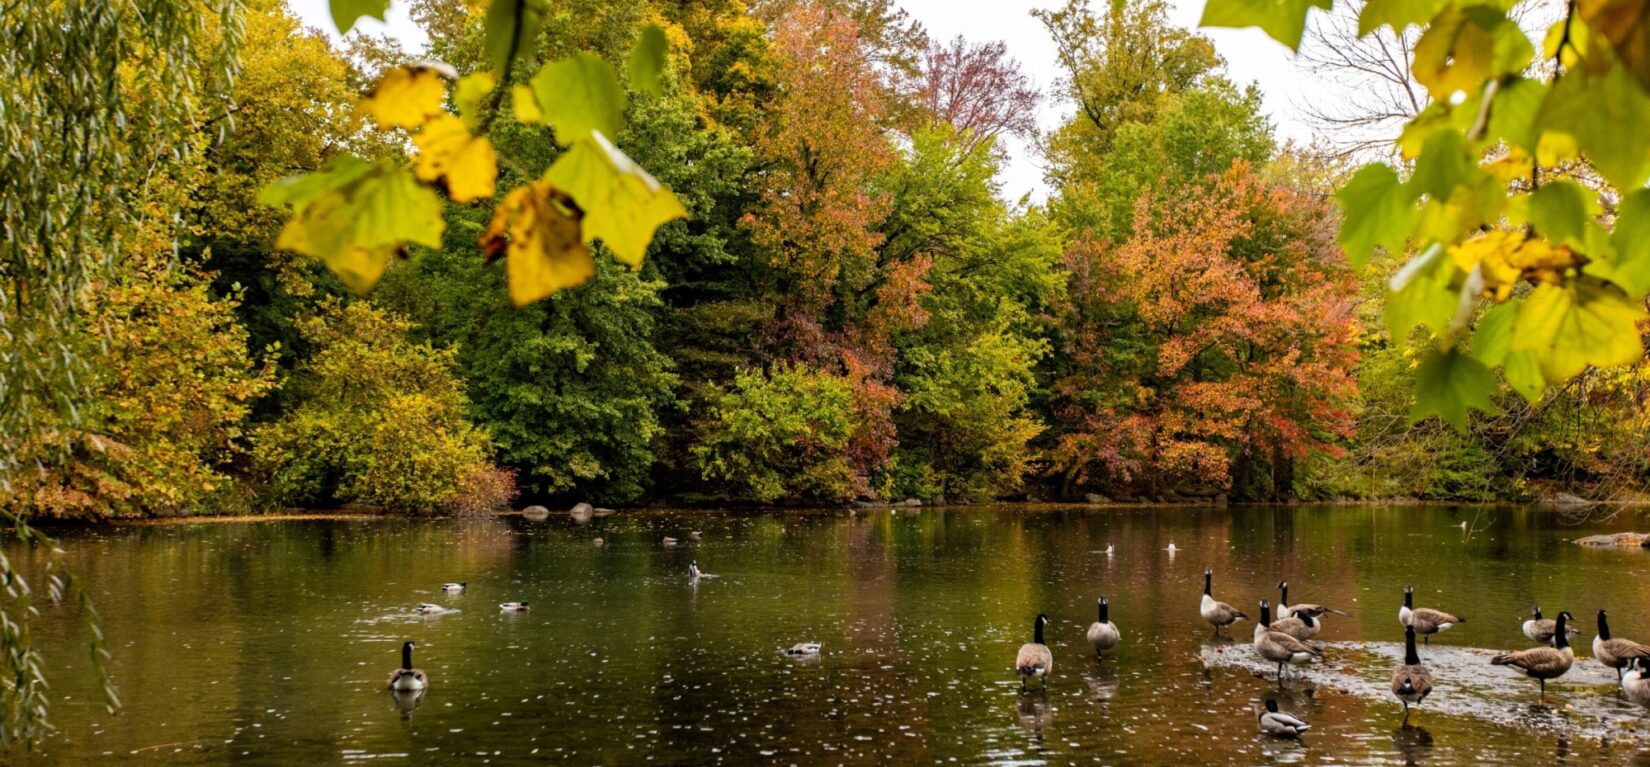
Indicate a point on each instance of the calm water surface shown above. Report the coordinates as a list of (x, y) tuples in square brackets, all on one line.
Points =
[(270, 643)]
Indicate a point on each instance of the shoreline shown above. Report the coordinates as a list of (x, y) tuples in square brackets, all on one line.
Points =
[(299, 515)]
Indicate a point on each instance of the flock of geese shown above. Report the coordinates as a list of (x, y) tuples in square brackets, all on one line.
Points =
[(1283, 640)]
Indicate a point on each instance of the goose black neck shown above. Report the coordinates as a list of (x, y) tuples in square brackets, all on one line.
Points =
[(1603, 627), (406, 655), (1409, 599), (1037, 633), (1103, 618), (1561, 641), (1265, 613), (1207, 576), (1536, 612), (1283, 596), (1411, 657)]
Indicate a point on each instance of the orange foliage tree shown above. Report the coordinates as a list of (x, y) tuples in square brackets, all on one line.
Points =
[(1213, 348), (839, 296)]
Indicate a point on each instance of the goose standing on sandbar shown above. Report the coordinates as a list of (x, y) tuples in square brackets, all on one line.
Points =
[(1034, 659), (1412, 682), (1425, 620), (1218, 614), (1543, 663), (1617, 652), (1540, 629), (1278, 647), (1103, 634), (1279, 724), (1635, 684), (407, 678), (1286, 610)]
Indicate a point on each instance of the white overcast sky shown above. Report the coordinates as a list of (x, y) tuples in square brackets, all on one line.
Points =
[(1250, 56)]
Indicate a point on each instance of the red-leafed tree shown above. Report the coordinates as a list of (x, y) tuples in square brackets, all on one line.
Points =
[(1213, 348), (839, 298), (978, 89)]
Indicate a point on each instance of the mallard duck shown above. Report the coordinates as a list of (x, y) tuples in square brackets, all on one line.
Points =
[(803, 649), (1218, 614), (512, 607), (1279, 724), (426, 608), (455, 588), (1543, 663), (1103, 634), (1412, 682), (406, 678), (1034, 659)]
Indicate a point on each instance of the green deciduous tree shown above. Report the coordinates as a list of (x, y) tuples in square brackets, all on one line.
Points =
[(376, 418)]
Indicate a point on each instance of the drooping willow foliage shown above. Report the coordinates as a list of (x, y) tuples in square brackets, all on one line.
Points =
[(100, 97)]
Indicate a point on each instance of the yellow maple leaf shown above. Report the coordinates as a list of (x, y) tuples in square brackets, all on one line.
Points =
[(446, 149), (1513, 165), (540, 237), (406, 96), (526, 104)]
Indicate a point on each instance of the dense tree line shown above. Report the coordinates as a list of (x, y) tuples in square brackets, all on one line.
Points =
[(851, 310)]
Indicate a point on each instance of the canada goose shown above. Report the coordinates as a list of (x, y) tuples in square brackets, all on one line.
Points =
[(425, 608), (1103, 633), (1412, 682), (1540, 629), (802, 649), (695, 535), (1218, 614), (512, 607), (1278, 647), (1279, 724), (668, 541), (454, 588), (406, 678), (1286, 610), (1034, 659), (1617, 652), (1635, 684), (1426, 620), (696, 573), (1543, 663), (1303, 628)]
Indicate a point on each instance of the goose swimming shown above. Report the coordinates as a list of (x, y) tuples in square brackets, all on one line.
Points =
[(406, 678)]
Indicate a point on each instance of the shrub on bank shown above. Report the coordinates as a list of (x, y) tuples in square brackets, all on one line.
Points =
[(782, 435), (375, 419), (170, 386)]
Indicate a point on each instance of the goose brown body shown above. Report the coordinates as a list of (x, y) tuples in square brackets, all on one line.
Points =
[(1217, 613), (1425, 620), (406, 678), (1543, 663), (1412, 682), (1278, 647), (1615, 652), (1103, 634), (1540, 629), (1034, 659)]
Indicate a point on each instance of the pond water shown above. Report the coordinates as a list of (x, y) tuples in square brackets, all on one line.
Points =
[(270, 643)]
